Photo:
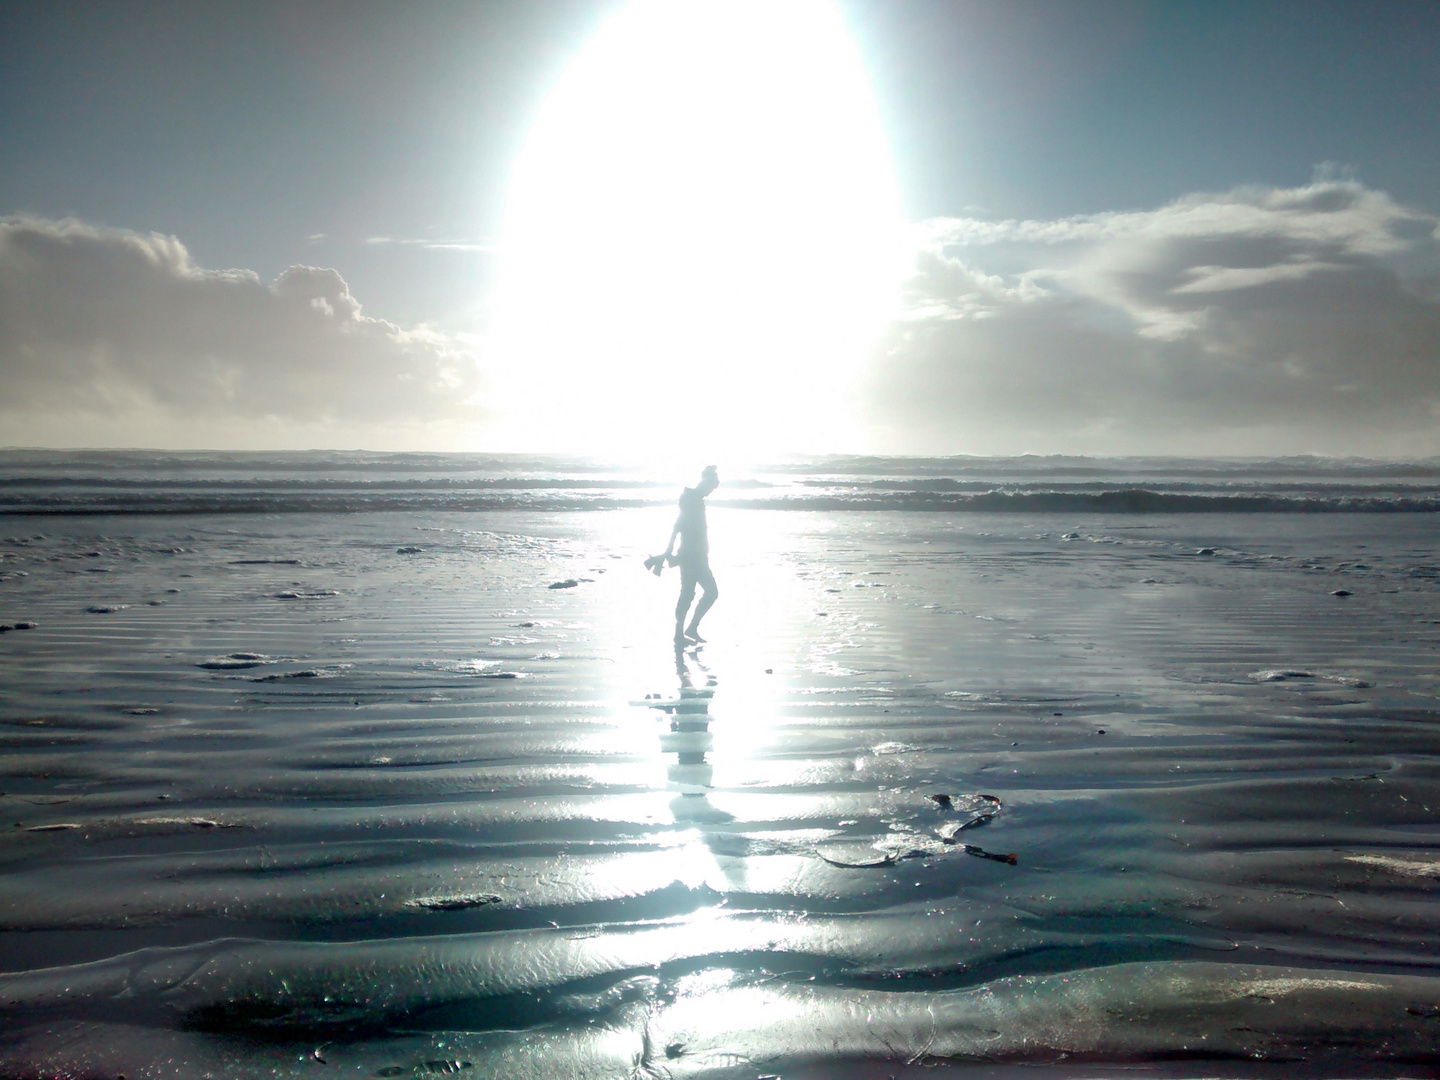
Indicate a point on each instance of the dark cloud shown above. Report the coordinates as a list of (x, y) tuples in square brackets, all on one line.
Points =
[(115, 323), (1260, 320)]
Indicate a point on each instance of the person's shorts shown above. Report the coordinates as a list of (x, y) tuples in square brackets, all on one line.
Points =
[(694, 573)]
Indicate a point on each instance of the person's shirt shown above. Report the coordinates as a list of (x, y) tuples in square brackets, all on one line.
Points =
[(694, 540)]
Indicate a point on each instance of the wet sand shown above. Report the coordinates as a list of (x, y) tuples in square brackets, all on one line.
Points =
[(365, 789)]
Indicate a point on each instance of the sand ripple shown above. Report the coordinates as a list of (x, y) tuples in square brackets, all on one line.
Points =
[(435, 795)]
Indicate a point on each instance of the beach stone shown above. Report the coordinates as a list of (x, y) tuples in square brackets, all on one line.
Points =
[(453, 902), (234, 662), (1282, 675)]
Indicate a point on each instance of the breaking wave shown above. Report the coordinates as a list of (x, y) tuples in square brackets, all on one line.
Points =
[(137, 482)]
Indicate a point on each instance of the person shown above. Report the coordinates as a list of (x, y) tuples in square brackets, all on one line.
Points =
[(693, 557)]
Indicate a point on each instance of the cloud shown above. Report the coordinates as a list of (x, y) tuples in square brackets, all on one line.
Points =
[(433, 245), (1260, 320), (122, 326), (1341, 211)]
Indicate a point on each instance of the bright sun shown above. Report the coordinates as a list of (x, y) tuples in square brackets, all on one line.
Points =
[(702, 238)]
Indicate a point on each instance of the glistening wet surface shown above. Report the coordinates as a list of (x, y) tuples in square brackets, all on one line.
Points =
[(369, 791)]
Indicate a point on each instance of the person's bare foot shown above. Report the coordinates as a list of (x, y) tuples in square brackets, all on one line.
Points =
[(693, 635)]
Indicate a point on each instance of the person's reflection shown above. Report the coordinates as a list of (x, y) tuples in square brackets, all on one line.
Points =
[(689, 739)]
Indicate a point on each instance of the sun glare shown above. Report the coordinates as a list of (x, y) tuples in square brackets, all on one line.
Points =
[(701, 240)]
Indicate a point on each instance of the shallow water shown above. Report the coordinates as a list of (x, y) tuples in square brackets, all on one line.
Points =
[(365, 788)]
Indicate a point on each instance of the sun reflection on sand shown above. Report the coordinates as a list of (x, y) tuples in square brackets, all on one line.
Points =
[(685, 733)]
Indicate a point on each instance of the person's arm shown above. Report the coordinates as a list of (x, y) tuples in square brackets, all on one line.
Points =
[(674, 532)]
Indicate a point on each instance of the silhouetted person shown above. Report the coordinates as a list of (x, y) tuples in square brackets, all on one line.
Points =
[(693, 557)]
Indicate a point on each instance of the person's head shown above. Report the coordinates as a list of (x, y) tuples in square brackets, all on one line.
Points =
[(709, 479)]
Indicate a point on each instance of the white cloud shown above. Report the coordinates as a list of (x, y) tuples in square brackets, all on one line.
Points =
[(1342, 212), (1258, 320), (1225, 278), (122, 329), (432, 244)]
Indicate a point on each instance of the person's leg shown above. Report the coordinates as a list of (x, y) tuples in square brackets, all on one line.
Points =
[(687, 593), (711, 592)]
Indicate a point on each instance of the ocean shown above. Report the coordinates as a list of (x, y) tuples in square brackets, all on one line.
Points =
[(387, 764)]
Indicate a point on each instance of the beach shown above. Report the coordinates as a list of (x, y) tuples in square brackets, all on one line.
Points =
[(405, 776)]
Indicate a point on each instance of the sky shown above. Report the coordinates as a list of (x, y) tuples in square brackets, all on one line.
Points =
[(1118, 227)]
